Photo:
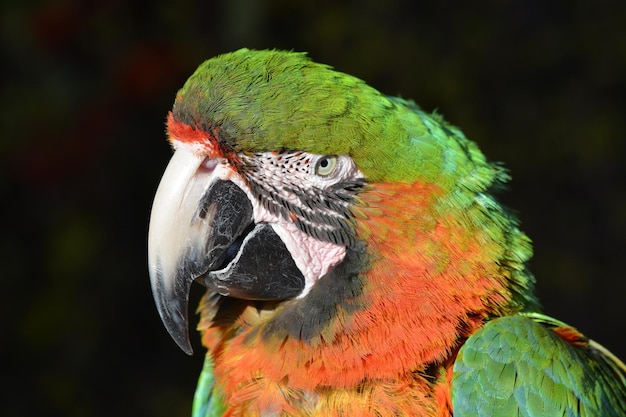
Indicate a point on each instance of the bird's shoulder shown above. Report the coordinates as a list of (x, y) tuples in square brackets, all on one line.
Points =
[(531, 365)]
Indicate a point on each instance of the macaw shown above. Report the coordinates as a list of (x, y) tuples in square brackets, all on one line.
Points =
[(355, 259)]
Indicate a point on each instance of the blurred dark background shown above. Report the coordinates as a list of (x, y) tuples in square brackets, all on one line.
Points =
[(86, 87)]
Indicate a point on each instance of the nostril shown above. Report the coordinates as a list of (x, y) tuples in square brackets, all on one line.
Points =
[(209, 164)]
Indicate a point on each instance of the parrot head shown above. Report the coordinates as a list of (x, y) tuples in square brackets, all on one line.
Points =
[(295, 184)]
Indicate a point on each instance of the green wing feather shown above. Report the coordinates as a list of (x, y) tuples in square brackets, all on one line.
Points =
[(206, 402), (519, 366)]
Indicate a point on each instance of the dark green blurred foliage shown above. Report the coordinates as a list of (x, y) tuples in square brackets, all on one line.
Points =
[(86, 87)]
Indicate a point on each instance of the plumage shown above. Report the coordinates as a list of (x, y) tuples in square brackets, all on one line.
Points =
[(356, 260), (533, 365)]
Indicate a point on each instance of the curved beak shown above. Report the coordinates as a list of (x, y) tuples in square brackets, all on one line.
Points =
[(202, 228), (196, 217)]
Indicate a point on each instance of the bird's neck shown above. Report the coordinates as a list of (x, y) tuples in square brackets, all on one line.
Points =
[(424, 279)]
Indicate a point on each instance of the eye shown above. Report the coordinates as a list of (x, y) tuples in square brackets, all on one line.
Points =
[(326, 165)]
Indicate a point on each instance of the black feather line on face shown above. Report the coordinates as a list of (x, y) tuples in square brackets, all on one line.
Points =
[(319, 216), (323, 213)]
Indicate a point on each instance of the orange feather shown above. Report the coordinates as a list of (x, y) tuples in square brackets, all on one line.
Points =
[(425, 291)]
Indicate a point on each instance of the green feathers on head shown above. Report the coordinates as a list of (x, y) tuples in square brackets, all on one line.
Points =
[(259, 101), (263, 101)]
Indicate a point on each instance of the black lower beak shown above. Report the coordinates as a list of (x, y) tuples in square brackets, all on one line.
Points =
[(263, 269)]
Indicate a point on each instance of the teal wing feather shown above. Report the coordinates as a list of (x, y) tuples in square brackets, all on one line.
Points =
[(520, 366), (206, 402)]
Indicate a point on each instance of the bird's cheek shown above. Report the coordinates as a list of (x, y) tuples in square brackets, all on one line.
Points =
[(313, 257)]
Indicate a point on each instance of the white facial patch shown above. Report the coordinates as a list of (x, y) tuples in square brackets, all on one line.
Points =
[(313, 257), (306, 199)]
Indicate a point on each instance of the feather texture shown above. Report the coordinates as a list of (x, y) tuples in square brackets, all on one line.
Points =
[(430, 310)]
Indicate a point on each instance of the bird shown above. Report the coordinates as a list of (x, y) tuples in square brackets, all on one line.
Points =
[(355, 258)]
